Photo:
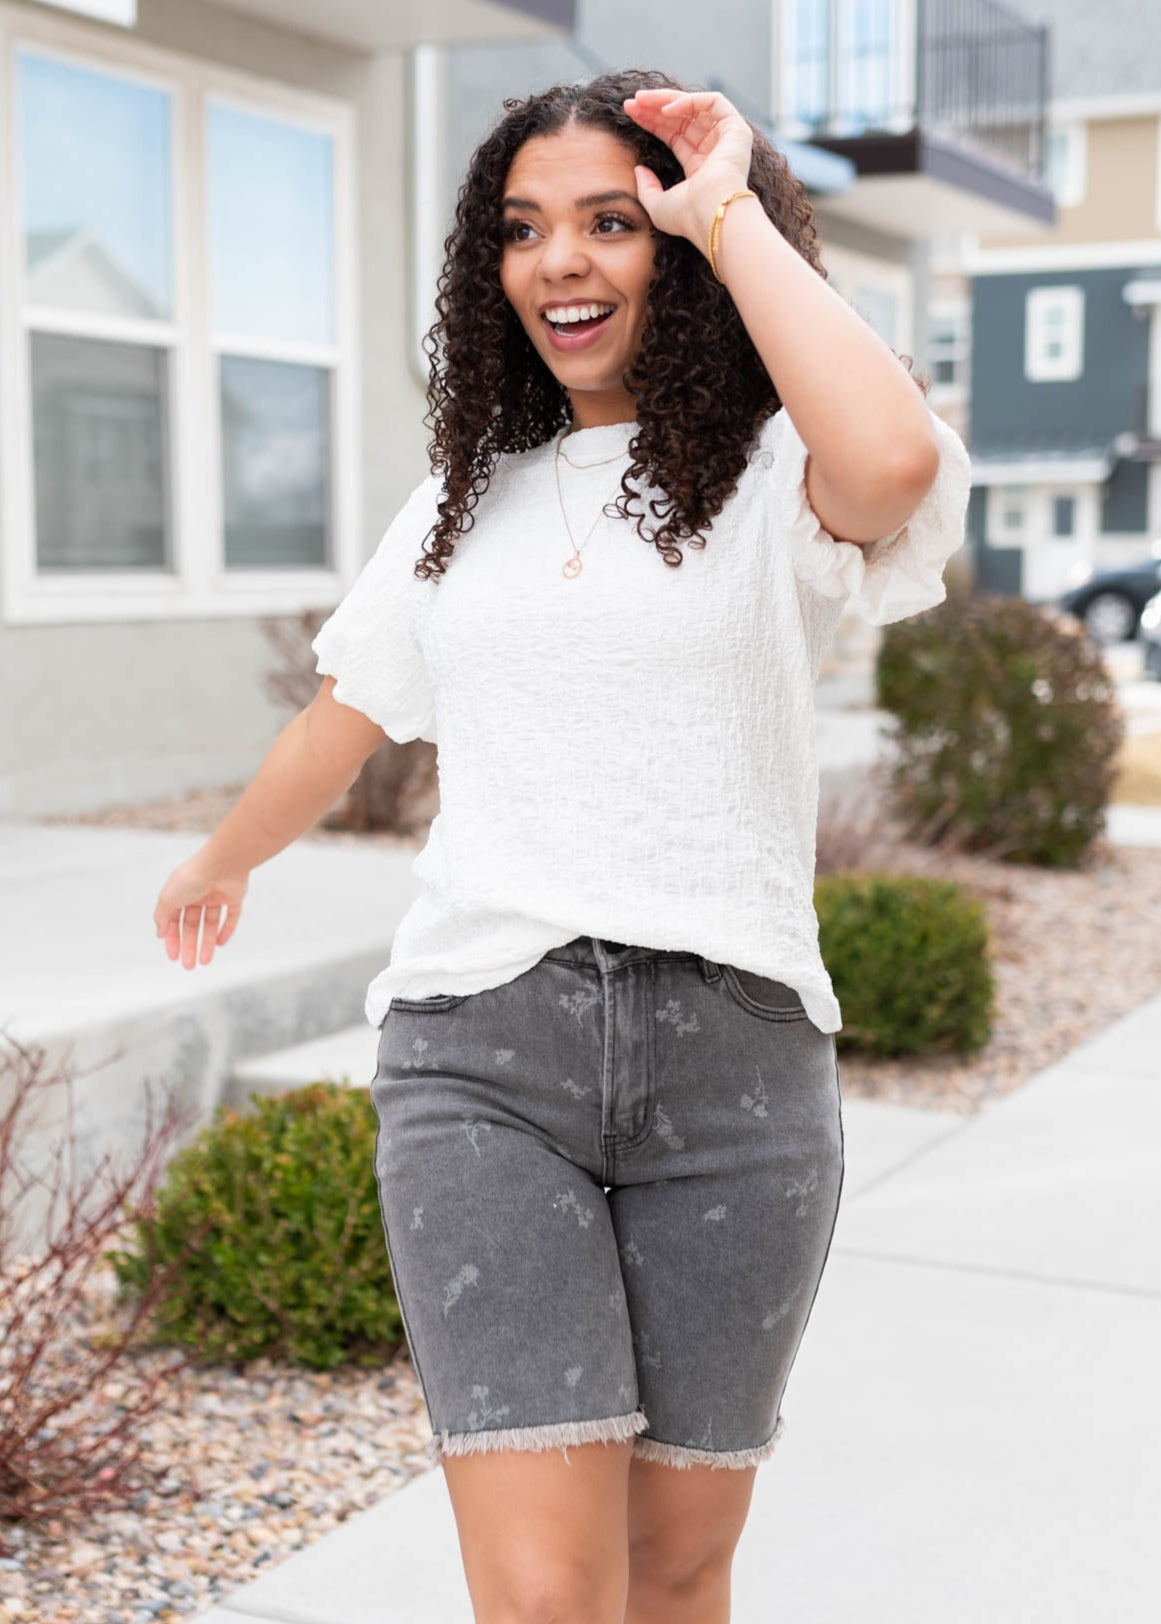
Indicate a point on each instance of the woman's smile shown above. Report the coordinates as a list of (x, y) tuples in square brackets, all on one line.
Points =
[(580, 334)]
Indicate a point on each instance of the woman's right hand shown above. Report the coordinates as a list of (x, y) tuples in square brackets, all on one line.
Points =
[(197, 892)]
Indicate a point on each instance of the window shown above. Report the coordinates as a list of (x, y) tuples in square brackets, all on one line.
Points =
[(1066, 162), (1054, 333), (1010, 507), (177, 394), (1063, 515), (949, 343), (842, 59), (272, 299), (96, 251)]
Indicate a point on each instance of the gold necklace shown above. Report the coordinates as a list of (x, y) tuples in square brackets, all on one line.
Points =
[(572, 565)]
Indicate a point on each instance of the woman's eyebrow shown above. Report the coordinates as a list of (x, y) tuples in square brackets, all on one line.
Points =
[(589, 202)]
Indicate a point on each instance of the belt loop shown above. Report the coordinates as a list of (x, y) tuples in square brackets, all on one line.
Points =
[(709, 969)]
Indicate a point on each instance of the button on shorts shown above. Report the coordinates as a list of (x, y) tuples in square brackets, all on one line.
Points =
[(608, 1189)]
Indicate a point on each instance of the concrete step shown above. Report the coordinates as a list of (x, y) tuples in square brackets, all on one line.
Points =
[(84, 977)]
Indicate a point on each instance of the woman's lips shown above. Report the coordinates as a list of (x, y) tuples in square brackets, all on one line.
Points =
[(578, 340)]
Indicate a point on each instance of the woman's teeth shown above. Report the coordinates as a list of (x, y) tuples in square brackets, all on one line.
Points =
[(576, 317)]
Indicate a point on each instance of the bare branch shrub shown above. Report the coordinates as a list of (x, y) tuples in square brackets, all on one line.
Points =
[(65, 1446)]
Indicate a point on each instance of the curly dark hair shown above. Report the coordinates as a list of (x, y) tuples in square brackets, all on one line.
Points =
[(700, 388)]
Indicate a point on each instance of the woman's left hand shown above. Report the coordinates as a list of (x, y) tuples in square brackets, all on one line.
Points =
[(713, 143)]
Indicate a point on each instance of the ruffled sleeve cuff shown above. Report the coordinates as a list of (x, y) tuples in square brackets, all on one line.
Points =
[(898, 575), (369, 644)]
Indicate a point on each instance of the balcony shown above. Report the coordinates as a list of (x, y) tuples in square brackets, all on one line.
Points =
[(940, 104)]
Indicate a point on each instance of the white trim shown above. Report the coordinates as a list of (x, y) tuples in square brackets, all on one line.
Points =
[(1041, 471), (1157, 180), (121, 12), (1090, 256), (198, 585), (96, 324), (428, 66), (1135, 105), (268, 349), (1154, 405)]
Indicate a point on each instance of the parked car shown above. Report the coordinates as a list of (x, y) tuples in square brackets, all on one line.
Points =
[(1151, 636), (1109, 605)]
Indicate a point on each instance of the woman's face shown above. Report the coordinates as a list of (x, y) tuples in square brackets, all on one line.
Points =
[(563, 248)]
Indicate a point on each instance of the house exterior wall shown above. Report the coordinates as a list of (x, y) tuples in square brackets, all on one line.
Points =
[(1119, 202), (113, 709), (1013, 413)]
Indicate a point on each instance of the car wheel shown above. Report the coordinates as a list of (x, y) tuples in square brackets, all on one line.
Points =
[(1110, 617)]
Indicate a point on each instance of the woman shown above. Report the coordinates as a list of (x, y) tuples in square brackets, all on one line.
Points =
[(610, 1148)]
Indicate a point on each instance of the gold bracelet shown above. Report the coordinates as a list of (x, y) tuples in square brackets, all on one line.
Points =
[(715, 230)]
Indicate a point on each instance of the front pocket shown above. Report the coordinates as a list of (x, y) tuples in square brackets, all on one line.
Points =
[(438, 1000), (762, 995)]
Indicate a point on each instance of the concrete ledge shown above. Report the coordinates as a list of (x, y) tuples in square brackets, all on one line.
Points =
[(84, 976), (351, 1054)]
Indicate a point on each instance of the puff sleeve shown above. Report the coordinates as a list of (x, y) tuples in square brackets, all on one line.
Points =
[(896, 576), (369, 644)]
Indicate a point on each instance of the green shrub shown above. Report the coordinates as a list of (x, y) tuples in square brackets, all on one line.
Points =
[(910, 962), (1009, 727), (293, 1263)]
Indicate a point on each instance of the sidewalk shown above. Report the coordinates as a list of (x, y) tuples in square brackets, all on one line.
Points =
[(974, 1419)]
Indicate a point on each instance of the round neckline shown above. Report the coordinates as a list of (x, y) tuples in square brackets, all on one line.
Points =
[(602, 440)]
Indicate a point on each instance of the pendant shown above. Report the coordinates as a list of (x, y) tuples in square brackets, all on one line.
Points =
[(572, 566)]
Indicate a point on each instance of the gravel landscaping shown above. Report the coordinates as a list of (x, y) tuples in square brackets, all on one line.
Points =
[(262, 1460), (251, 1463)]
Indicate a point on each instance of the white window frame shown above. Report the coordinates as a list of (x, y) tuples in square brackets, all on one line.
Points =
[(198, 585), (1072, 185), (959, 351), (1000, 534), (1040, 306)]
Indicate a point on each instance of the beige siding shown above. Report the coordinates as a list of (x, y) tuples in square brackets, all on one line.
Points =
[(1120, 198)]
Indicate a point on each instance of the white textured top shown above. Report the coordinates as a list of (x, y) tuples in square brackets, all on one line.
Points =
[(629, 753)]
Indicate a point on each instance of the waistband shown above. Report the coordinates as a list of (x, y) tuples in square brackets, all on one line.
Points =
[(604, 954)]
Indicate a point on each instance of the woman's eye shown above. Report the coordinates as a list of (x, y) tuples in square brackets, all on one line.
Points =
[(514, 226)]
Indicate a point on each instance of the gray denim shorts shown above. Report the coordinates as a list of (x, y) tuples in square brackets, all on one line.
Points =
[(608, 1190)]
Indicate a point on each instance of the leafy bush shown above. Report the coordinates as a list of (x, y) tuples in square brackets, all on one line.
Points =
[(1009, 727), (910, 961), (294, 1263)]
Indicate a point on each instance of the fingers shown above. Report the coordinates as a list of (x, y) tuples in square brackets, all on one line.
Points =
[(679, 104), (690, 115), (211, 919), (231, 921), (189, 937), (216, 922)]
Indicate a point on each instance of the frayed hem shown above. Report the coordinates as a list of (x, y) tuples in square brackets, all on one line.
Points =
[(684, 1455), (555, 1435)]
